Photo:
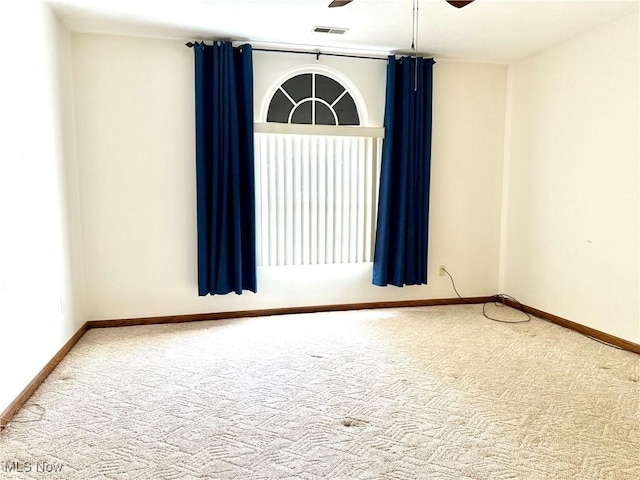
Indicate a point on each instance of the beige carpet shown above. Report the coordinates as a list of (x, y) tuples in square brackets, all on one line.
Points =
[(433, 393)]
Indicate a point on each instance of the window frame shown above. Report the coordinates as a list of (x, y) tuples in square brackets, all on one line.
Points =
[(322, 70), (364, 130)]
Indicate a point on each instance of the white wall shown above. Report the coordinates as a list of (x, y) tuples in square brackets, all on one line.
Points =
[(571, 243), (466, 187), (40, 280), (135, 127)]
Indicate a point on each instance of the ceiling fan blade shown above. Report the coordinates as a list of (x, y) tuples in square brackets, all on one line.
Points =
[(339, 3), (459, 4)]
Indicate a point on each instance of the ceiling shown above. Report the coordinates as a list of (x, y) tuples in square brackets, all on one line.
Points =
[(487, 30)]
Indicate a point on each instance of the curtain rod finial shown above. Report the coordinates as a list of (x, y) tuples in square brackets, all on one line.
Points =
[(190, 44)]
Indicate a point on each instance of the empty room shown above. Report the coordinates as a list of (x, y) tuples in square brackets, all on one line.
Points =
[(286, 239)]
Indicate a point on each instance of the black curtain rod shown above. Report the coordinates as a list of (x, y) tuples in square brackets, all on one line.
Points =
[(317, 54)]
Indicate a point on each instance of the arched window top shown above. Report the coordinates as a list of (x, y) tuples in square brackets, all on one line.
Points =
[(313, 97)]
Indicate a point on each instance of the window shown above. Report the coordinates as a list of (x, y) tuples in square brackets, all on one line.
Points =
[(313, 99), (316, 172)]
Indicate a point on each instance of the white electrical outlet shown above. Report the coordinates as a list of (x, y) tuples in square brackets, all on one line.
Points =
[(441, 271)]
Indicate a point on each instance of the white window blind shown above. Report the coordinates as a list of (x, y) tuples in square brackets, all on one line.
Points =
[(316, 197)]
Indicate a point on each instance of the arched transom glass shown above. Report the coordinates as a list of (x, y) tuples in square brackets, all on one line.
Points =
[(313, 99)]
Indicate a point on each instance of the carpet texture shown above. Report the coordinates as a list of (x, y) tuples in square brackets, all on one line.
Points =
[(431, 393)]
